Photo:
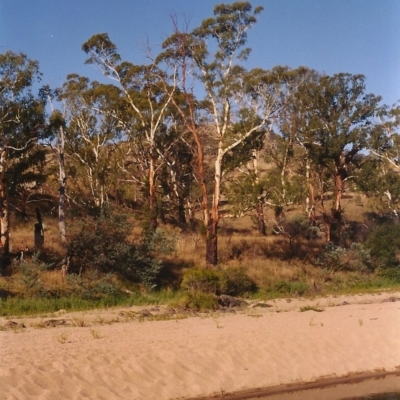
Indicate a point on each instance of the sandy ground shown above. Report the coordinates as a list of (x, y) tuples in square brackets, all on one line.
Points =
[(127, 353)]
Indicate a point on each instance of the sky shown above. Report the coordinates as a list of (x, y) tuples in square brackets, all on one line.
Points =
[(331, 36)]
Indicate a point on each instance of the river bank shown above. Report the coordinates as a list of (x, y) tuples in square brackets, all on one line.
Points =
[(158, 353)]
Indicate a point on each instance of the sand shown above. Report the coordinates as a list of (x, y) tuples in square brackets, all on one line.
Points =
[(121, 354)]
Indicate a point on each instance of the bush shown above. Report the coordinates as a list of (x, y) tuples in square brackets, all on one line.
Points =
[(234, 281), (30, 270), (201, 280), (384, 242), (93, 286), (355, 258), (103, 245), (199, 301)]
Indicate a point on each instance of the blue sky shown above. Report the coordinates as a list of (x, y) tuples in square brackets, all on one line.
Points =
[(356, 36)]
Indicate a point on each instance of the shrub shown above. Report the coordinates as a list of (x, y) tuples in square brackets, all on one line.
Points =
[(92, 286), (199, 301), (355, 258), (30, 270), (103, 245), (384, 242), (234, 281), (201, 280)]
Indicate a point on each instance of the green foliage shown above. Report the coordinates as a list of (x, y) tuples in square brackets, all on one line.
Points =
[(103, 245), (30, 275), (355, 258), (384, 242), (201, 280), (93, 286), (234, 281), (198, 301)]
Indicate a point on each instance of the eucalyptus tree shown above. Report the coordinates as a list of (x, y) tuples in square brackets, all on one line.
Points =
[(92, 137), (251, 190), (56, 141), (22, 118), (334, 119), (379, 174), (146, 112), (296, 133), (210, 56)]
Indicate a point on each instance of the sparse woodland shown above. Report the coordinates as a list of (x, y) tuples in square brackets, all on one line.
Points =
[(195, 173)]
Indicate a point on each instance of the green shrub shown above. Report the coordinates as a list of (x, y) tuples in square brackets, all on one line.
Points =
[(93, 286), (30, 269), (355, 258), (201, 280), (234, 281), (384, 242), (103, 245), (199, 301)]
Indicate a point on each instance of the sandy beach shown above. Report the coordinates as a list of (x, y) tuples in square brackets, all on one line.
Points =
[(131, 353)]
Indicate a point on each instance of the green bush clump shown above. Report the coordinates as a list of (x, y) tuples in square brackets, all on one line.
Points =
[(384, 242), (201, 280), (234, 281), (199, 301), (30, 269), (93, 286), (356, 258), (103, 244)]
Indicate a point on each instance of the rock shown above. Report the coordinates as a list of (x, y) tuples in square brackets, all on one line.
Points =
[(14, 325), (261, 305), (391, 299), (146, 313), (55, 322), (229, 301)]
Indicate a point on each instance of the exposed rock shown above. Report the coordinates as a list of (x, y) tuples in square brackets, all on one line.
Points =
[(146, 313), (261, 305), (229, 301), (14, 325), (391, 299), (55, 322)]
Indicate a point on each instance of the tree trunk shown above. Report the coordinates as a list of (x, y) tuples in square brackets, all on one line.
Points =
[(4, 208), (339, 190), (260, 218), (259, 207), (181, 217), (62, 195), (39, 231), (4, 218), (212, 243), (153, 223), (283, 171), (310, 200), (212, 226), (336, 234)]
